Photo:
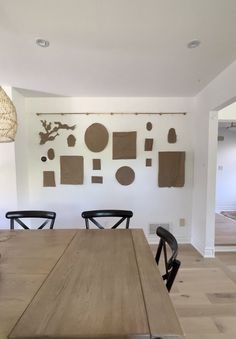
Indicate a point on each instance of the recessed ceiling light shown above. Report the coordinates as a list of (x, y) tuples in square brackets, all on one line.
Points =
[(42, 43), (193, 43)]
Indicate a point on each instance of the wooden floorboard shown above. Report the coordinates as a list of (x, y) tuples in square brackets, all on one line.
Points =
[(204, 294), (225, 230)]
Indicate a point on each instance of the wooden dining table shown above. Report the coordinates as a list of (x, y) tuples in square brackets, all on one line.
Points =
[(82, 284)]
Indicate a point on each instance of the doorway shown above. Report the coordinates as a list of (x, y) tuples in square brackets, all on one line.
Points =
[(225, 203)]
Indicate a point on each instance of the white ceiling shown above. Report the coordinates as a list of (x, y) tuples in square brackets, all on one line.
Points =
[(116, 47)]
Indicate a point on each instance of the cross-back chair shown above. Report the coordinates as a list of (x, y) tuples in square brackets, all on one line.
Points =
[(172, 264), (123, 215), (17, 216)]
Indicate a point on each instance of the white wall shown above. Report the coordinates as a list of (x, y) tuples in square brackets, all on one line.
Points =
[(7, 176), (150, 203), (21, 151), (228, 113), (217, 94), (200, 127), (226, 171)]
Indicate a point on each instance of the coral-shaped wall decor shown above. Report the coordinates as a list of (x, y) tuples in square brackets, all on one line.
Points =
[(51, 132)]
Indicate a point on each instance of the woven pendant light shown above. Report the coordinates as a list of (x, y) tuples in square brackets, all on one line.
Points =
[(8, 122)]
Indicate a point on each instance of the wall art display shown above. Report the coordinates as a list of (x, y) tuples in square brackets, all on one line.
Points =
[(125, 175), (149, 126), (124, 145), (97, 179), (148, 144), (96, 137), (171, 171), (118, 144), (71, 140), (148, 162), (49, 179), (51, 131), (72, 170), (96, 164), (51, 154), (172, 136)]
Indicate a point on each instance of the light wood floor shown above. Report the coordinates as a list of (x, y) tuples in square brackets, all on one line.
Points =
[(225, 231), (204, 294)]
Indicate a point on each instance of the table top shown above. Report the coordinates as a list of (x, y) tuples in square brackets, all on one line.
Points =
[(82, 284)]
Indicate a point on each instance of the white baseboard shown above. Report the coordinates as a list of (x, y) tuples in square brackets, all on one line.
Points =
[(207, 252), (225, 248), (154, 240), (225, 207), (198, 248)]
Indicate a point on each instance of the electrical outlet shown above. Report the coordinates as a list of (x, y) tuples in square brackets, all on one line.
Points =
[(221, 138), (181, 222)]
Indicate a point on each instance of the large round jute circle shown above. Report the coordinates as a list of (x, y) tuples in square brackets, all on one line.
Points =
[(96, 137), (125, 175)]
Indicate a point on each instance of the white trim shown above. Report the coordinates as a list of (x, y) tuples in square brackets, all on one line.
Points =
[(225, 248), (198, 248), (154, 240), (209, 252), (225, 207)]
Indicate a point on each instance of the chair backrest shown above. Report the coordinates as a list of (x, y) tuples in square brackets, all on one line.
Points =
[(171, 264), (16, 216), (91, 215)]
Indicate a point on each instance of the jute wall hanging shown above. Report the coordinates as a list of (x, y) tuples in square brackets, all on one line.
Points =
[(122, 146)]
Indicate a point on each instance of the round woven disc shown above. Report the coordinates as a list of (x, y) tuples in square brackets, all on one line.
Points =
[(125, 175), (96, 137)]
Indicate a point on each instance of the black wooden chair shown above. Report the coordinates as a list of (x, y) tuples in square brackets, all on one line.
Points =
[(91, 215), (171, 264), (16, 216)]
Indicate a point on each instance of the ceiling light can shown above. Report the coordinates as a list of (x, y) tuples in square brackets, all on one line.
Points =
[(193, 43), (42, 42)]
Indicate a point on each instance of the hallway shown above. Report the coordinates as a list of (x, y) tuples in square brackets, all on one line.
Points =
[(225, 230)]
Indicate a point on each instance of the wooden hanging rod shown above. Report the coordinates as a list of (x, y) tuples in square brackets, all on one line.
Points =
[(116, 113)]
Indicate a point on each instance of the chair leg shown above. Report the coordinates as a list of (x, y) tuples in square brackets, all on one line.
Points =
[(172, 275), (12, 224), (87, 223)]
